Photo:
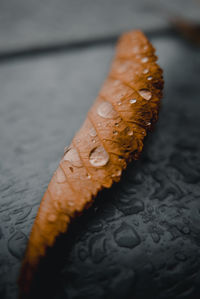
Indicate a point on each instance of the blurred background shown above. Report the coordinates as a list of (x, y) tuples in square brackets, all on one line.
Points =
[(38, 24), (142, 239)]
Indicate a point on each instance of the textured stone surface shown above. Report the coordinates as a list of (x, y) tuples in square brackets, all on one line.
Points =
[(141, 238)]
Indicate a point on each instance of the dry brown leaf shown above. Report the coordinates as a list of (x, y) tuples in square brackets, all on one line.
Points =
[(111, 136)]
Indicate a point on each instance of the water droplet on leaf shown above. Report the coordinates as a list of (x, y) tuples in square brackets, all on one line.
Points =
[(117, 82), (60, 176), (73, 157), (117, 173), (70, 203), (144, 59), (93, 132), (105, 110), (98, 157), (136, 49), (52, 218), (145, 71), (132, 101), (130, 133), (145, 93)]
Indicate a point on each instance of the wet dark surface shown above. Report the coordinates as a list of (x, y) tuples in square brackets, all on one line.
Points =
[(141, 238)]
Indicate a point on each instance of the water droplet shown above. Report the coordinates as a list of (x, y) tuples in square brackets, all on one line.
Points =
[(98, 157), (185, 230), (138, 206), (115, 133), (88, 176), (105, 110), (162, 209), (180, 256), (97, 247), (145, 71), (123, 67), (82, 254), (149, 78), (145, 93), (60, 176), (136, 49), (132, 101), (22, 214), (126, 236), (117, 173), (93, 132), (95, 225), (155, 237), (129, 205), (70, 203), (116, 124), (17, 244), (52, 218), (73, 157), (119, 103), (117, 82), (130, 133), (148, 124), (144, 59), (93, 140)]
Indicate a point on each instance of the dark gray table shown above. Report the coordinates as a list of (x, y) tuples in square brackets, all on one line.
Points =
[(141, 239)]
